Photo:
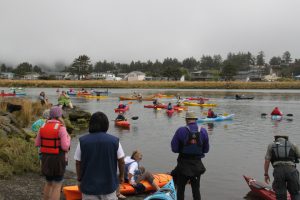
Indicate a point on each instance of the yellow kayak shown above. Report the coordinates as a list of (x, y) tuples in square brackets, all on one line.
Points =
[(95, 97), (198, 104)]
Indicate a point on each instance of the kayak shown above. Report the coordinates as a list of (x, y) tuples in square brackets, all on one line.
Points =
[(156, 106), (167, 192), (276, 117), (170, 112), (83, 93), (72, 192), (7, 94), (197, 98), (123, 124), (164, 96), (216, 119), (73, 93), (262, 189), (121, 109), (136, 98), (20, 93), (179, 108), (198, 104), (244, 98), (95, 97)]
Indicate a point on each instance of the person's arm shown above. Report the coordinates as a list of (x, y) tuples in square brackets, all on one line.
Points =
[(131, 170), (38, 140), (65, 139), (175, 142), (205, 139), (78, 170), (121, 165), (77, 157), (266, 170)]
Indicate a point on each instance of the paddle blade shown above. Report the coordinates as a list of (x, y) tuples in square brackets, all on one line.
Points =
[(290, 115), (263, 114), (134, 118)]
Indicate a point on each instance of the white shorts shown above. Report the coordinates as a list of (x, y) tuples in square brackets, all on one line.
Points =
[(111, 196)]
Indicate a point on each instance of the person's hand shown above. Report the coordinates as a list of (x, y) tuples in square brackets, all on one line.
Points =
[(267, 178), (121, 179)]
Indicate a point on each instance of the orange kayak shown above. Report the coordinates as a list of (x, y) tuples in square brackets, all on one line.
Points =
[(72, 192), (123, 124)]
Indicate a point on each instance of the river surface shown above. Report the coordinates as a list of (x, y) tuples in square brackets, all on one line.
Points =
[(237, 147)]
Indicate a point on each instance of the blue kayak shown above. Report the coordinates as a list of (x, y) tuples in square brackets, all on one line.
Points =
[(276, 117), (167, 192), (216, 119)]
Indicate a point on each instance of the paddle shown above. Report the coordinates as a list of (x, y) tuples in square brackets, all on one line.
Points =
[(288, 115), (134, 117)]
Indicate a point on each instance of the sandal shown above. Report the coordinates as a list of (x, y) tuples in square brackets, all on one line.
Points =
[(121, 196)]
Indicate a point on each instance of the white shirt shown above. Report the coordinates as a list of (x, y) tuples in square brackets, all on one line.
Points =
[(132, 168), (77, 155)]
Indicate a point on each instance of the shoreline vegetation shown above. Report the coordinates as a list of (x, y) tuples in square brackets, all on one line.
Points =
[(151, 84)]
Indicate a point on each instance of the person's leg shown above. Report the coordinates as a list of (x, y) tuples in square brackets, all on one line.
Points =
[(279, 183), (181, 182), (47, 190), (91, 197), (56, 190), (119, 195), (195, 184), (148, 177), (293, 184), (111, 196)]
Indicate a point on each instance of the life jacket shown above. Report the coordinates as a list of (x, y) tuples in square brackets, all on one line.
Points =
[(127, 170), (50, 141), (276, 112), (121, 106), (282, 150), (192, 144), (210, 114)]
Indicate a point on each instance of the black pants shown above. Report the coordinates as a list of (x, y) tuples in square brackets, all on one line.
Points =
[(195, 184), (286, 178)]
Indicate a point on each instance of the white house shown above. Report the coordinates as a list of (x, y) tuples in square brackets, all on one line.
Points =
[(135, 76), (7, 75), (31, 76)]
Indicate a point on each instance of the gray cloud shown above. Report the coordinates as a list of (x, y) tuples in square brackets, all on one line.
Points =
[(48, 31)]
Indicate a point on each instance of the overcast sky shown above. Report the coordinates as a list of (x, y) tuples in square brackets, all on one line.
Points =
[(48, 31)]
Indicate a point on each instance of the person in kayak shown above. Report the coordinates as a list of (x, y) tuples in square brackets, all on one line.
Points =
[(211, 114), (170, 107), (276, 111), (237, 96), (155, 102), (121, 117), (201, 101), (192, 143), (134, 173), (283, 155), (121, 105)]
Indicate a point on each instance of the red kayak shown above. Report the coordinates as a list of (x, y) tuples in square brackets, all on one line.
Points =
[(123, 124), (7, 94), (170, 112), (197, 98), (262, 189), (156, 106), (121, 109)]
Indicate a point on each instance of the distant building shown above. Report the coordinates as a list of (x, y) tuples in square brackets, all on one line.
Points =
[(297, 77), (55, 75), (7, 75), (202, 75), (135, 76), (31, 76), (254, 74)]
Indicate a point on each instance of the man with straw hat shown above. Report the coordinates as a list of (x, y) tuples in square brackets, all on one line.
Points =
[(191, 142)]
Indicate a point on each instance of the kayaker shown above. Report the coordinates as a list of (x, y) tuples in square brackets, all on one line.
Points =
[(54, 141), (283, 155), (121, 105), (276, 111), (139, 96), (201, 100), (134, 173), (155, 102), (192, 143), (43, 98), (211, 114), (170, 107), (98, 156), (121, 117), (237, 96)]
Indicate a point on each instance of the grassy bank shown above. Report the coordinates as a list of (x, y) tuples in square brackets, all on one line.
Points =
[(150, 84)]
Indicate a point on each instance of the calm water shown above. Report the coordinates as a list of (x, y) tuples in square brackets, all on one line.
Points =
[(237, 147)]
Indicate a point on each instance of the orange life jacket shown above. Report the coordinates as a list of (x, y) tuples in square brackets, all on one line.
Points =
[(50, 141)]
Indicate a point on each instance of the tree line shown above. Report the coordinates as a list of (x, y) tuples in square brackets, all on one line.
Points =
[(172, 68)]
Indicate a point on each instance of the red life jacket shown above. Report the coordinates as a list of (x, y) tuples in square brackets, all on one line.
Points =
[(50, 141)]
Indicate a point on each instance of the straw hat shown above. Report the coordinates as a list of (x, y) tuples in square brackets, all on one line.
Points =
[(190, 115)]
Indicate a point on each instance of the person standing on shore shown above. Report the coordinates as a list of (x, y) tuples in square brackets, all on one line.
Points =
[(283, 155), (191, 142), (54, 141), (98, 155)]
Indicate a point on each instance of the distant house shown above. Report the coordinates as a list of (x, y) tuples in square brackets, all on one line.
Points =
[(31, 76), (135, 76), (297, 77), (254, 74), (270, 77), (7, 75), (56, 75), (203, 75)]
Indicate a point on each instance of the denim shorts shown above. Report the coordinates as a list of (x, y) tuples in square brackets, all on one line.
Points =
[(57, 179)]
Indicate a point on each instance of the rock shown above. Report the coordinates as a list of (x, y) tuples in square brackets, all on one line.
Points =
[(77, 114), (4, 119), (81, 121)]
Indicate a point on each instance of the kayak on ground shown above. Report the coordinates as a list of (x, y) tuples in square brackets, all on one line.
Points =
[(72, 192), (198, 104), (123, 124), (262, 189), (122, 109), (156, 106), (218, 118), (167, 192)]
